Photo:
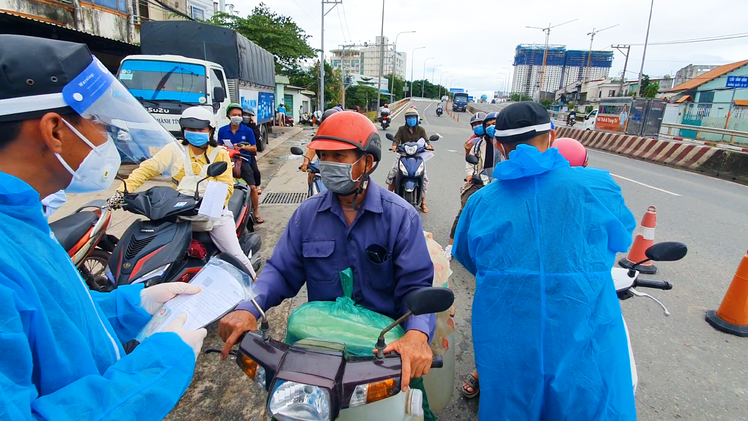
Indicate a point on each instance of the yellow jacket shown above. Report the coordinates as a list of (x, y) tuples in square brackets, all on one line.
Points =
[(169, 158)]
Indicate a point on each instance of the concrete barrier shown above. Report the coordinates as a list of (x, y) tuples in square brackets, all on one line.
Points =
[(723, 163)]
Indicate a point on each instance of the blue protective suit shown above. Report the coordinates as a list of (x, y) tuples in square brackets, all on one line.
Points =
[(547, 326), (61, 356)]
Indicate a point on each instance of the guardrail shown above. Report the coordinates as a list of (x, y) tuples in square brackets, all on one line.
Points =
[(732, 134)]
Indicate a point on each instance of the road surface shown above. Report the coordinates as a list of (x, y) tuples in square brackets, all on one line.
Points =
[(687, 370)]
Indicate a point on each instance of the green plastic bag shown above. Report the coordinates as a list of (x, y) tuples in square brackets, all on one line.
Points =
[(341, 321)]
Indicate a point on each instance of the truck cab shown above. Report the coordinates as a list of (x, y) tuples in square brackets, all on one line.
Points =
[(460, 101), (168, 84), (589, 120)]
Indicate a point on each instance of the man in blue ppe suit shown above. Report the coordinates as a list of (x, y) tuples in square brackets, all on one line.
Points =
[(61, 352), (548, 333)]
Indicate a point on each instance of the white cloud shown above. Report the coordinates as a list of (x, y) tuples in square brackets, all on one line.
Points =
[(472, 39)]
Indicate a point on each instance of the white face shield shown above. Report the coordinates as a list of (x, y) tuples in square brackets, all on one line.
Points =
[(101, 99)]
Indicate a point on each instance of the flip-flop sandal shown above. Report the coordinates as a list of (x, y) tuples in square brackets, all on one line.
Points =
[(472, 382), (259, 191), (259, 220), (424, 209)]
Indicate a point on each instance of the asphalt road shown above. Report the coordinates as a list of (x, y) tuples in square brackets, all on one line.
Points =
[(687, 370)]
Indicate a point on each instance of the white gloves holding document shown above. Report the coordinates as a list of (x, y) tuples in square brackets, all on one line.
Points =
[(152, 298), (193, 338)]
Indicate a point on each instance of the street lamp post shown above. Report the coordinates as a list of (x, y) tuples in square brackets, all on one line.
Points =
[(381, 65), (322, 51), (394, 60), (424, 74), (432, 74), (412, 63), (439, 95), (644, 53)]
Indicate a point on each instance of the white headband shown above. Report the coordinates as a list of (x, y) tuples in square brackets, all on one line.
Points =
[(522, 130), (26, 104)]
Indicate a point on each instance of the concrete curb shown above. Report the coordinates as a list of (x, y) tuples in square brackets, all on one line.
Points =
[(718, 162), (274, 143)]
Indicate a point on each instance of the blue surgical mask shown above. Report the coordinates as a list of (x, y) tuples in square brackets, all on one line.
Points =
[(338, 177), (478, 130), (198, 139), (491, 131), (411, 121)]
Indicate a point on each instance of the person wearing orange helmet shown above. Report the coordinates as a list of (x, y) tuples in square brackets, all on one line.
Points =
[(355, 226)]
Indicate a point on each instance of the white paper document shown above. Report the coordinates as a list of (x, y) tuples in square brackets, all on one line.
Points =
[(219, 293), (228, 144), (213, 199)]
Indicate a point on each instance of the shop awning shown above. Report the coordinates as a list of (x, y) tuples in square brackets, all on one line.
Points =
[(683, 99)]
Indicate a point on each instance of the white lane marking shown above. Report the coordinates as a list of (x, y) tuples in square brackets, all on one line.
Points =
[(645, 185), (451, 150), (427, 107)]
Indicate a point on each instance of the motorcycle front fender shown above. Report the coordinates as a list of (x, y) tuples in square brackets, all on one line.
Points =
[(410, 185)]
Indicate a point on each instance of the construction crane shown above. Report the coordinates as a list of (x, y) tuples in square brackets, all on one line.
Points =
[(589, 55)]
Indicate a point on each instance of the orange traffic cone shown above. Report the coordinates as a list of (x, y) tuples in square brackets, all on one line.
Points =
[(732, 315), (643, 241)]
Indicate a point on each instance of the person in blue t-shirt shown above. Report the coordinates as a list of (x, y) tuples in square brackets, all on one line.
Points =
[(234, 134)]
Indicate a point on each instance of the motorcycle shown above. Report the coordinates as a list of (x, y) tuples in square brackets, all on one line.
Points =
[(316, 186), (439, 111), (627, 280), (305, 119), (571, 121), (411, 167), (83, 235), (385, 120), (237, 159), (478, 178), (165, 249), (314, 379)]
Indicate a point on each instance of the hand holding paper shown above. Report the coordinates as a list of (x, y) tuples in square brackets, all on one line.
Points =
[(193, 338), (152, 298)]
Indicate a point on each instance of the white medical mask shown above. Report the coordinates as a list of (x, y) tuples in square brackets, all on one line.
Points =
[(236, 120), (338, 177), (97, 170)]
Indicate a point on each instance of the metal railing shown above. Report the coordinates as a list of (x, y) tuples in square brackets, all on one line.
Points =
[(731, 134)]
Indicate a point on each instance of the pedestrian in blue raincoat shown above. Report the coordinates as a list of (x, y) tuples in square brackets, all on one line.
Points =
[(547, 327), (61, 346)]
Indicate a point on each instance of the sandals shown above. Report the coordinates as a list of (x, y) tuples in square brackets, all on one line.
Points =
[(472, 382), (259, 220), (424, 208)]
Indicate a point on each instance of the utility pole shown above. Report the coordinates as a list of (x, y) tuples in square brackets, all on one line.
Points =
[(381, 65), (322, 52), (342, 74), (547, 31), (644, 54), (439, 95), (620, 48), (589, 55)]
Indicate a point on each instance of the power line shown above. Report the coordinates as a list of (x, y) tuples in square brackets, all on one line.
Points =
[(695, 40), (345, 18), (307, 14), (341, 25)]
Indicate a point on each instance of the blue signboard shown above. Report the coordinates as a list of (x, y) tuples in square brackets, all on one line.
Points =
[(456, 90), (737, 81)]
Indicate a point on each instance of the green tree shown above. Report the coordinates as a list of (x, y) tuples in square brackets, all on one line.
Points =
[(517, 97), (651, 90), (397, 87), (360, 95), (309, 79), (546, 103), (276, 33)]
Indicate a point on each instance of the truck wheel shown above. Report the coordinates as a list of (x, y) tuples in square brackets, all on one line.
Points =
[(262, 142)]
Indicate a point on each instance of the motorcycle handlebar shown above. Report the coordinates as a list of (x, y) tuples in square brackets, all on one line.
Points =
[(437, 361), (664, 285)]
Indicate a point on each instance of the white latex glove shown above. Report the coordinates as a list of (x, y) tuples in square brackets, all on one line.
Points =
[(193, 338), (152, 298)]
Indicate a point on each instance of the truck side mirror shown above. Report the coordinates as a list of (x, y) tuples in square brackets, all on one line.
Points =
[(219, 95)]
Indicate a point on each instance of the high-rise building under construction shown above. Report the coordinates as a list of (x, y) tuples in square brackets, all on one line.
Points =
[(562, 67)]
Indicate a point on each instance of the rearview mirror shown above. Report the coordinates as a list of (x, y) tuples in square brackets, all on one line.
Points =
[(429, 300), (217, 168), (219, 95), (390, 136), (471, 159), (434, 137), (296, 150), (668, 251)]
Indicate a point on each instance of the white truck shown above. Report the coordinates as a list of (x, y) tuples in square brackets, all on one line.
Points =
[(187, 63)]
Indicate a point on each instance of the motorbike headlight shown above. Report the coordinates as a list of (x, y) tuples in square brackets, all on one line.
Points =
[(419, 171), (402, 167), (411, 150), (293, 401), (152, 274)]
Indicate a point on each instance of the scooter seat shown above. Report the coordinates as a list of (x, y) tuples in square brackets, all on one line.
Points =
[(70, 229), (236, 202)]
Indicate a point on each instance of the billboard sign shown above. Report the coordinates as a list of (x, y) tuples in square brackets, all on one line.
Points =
[(456, 90)]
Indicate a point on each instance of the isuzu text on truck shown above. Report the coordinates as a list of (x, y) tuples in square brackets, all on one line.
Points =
[(187, 63)]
